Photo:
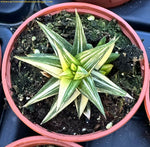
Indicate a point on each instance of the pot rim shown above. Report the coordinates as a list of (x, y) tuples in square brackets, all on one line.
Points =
[(82, 8), (0, 57), (41, 140), (147, 99)]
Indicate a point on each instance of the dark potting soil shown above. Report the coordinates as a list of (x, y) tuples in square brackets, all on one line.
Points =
[(27, 80)]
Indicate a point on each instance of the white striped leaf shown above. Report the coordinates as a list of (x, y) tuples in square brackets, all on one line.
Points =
[(67, 74), (51, 88), (110, 45), (53, 111), (66, 59), (81, 104), (80, 43), (87, 111), (55, 37), (80, 73), (66, 89), (47, 63), (98, 55), (105, 85), (88, 89)]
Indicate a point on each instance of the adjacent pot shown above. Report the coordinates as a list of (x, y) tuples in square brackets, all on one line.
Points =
[(105, 3), (82, 8), (0, 57), (147, 99), (41, 140)]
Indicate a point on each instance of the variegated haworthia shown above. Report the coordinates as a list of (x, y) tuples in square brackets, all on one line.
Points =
[(75, 72)]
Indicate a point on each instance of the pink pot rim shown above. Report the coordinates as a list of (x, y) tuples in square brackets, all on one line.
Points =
[(82, 8), (147, 99), (0, 57), (41, 140)]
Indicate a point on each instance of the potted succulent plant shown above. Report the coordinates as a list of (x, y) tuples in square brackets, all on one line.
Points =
[(147, 101), (105, 3), (41, 141), (75, 72)]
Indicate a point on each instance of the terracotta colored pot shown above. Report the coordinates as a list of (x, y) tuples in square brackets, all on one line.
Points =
[(105, 3), (147, 99), (82, 8), (41, 140), (0, 57)]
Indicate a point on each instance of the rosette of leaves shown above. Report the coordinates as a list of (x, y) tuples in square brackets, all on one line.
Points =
[(74, 71)]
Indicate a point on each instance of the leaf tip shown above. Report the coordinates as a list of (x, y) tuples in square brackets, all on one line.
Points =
[(129, 96), (16, 57), (26, 105), (42, 123)]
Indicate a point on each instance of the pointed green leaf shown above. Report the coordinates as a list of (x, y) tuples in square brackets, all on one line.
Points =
[(112, 57), (66, 74), (89, 46), (105, 85), (88, 89), (53, 111), (73, 67), (47, 63), (106, 68), (49, 89), (80, 43), (66, 89), (81, 104), (106, 55), (96, 56), (102, 41), (80, 73), (55, 37), (65, 57)]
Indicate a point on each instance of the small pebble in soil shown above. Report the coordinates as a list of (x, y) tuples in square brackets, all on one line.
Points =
[(23, 41), (124, 54), (87, 121), (84, 129), (109, 125), (99, 117), (27, 98), (36, 51), (122, 74), (91, 17), (20, 96), (33, 38)]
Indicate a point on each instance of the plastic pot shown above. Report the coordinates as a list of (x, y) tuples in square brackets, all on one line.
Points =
[(147, 99), (41, 140), (105, 3), (0, 57), (82, 8)]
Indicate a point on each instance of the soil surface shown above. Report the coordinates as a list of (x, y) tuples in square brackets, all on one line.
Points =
[(27, 80)]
